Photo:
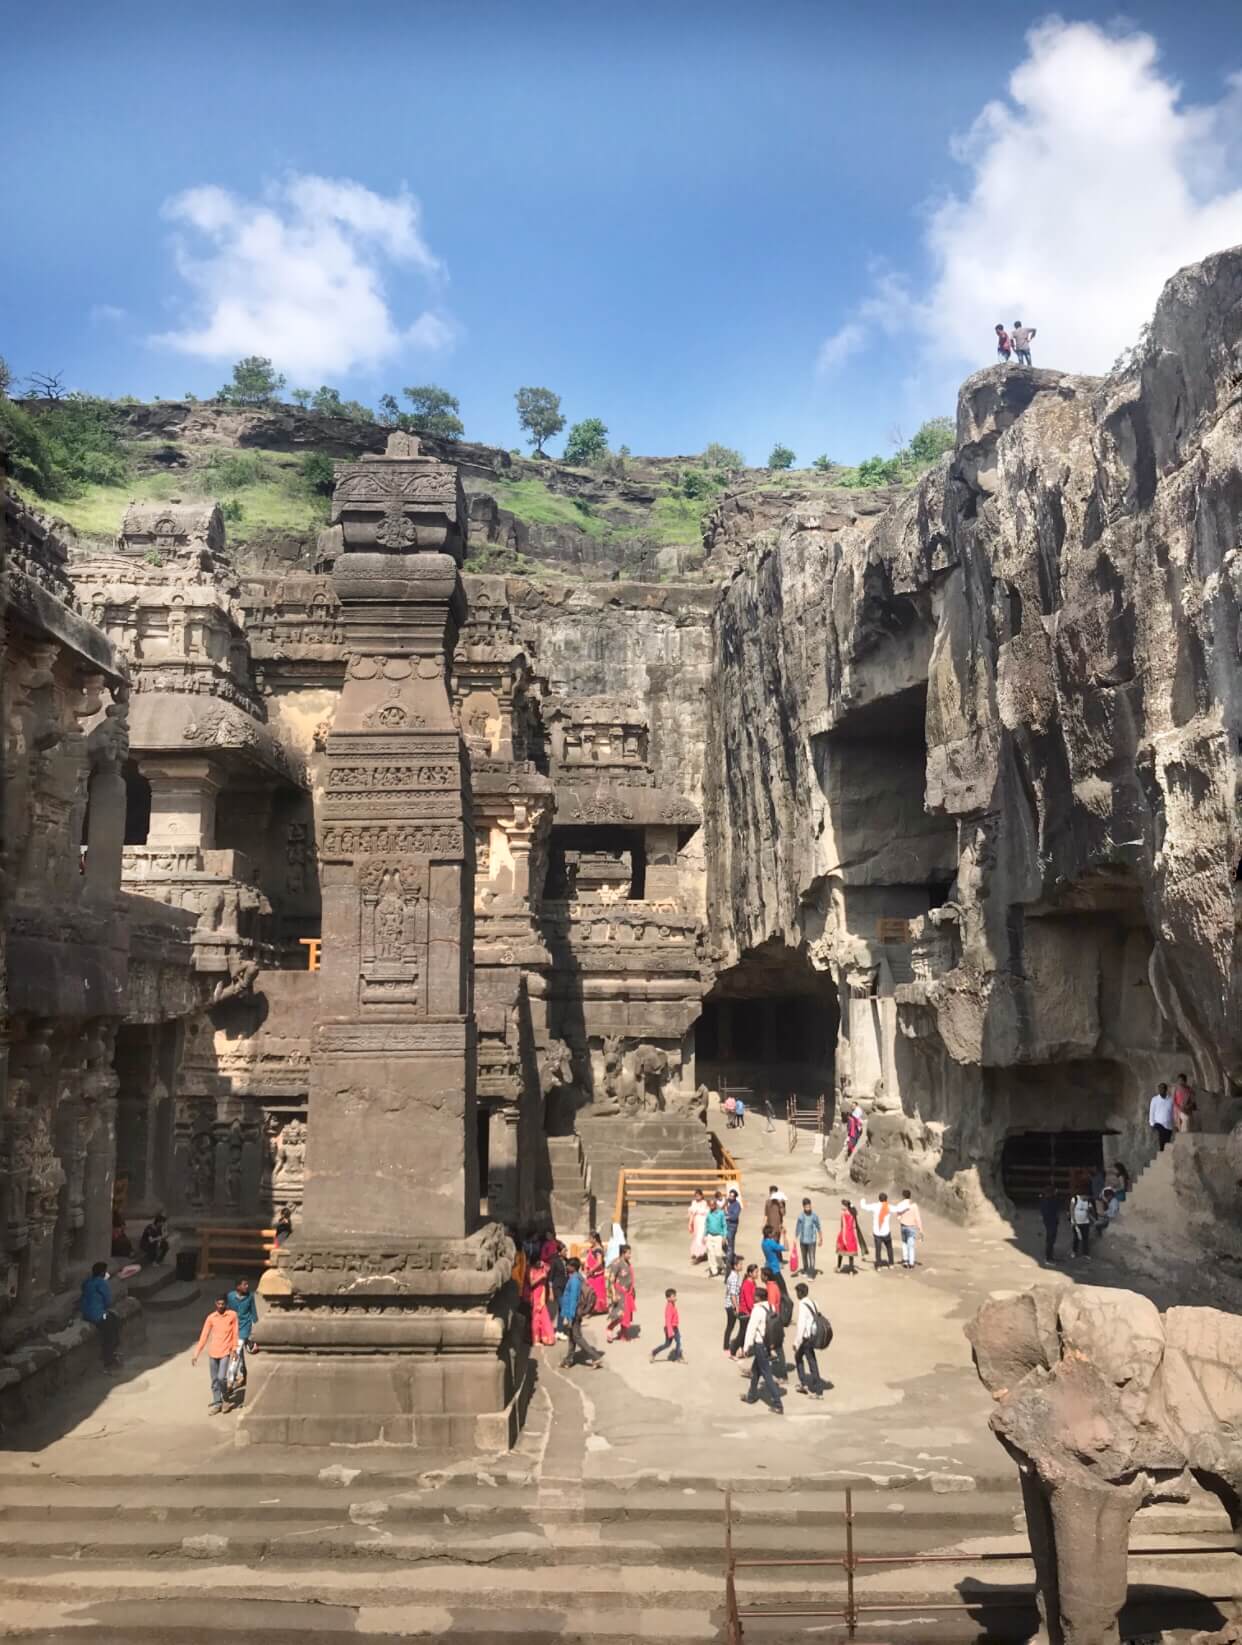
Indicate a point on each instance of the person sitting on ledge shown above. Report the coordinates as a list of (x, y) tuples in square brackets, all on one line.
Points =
[(154, 1239)]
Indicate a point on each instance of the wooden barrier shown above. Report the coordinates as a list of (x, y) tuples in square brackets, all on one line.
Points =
[(658, 1185), (234, 1249), (313, 947)]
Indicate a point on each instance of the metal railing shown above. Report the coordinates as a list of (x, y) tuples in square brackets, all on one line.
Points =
[(230, 1248), (851, 1561), (658, 1185)]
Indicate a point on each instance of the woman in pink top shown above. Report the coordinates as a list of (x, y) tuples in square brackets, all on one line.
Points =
[(542, 1326)]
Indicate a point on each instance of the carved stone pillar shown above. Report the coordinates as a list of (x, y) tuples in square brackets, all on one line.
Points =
[(382, 1326), (183, 803), (105, 838)]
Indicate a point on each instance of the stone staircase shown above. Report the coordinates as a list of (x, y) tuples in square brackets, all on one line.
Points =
[(258, 1553), (571, 1201), (1167, 1222), (664, 1144)]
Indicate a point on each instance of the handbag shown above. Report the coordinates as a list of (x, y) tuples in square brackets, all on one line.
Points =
[(793, 1259)]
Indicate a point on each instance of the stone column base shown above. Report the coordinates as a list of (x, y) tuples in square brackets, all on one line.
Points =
[(442, 1402), (407, 1342)]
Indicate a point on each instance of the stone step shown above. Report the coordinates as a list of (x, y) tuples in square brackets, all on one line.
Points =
[(376, 1530), (524, 1593), (519, 1508), (179, 1293)]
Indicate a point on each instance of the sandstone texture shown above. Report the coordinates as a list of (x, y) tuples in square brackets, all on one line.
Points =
[(918, 800), (1100, 1399), (1006, 712)]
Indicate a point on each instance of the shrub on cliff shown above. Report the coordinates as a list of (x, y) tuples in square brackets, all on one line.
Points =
[(781, 457), (722, 457), (317, 471), (433, 410), (25, 452), (587, 441), (328, 403)]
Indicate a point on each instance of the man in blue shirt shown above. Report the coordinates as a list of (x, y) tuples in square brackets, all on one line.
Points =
[(773, 1250), (96, 1310), (242, 1301), (574, 1300), (810, 1237)]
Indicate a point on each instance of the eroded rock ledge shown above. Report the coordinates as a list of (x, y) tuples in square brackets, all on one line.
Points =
[(978, 757)]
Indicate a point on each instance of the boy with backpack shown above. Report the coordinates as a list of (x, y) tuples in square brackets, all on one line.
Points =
[(812, 1332), (760, 1344)]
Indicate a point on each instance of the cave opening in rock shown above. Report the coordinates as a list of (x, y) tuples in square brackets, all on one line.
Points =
[(1030, 1160), (769, 1028)]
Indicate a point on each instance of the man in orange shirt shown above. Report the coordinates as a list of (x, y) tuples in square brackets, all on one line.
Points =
[(219, 1337)]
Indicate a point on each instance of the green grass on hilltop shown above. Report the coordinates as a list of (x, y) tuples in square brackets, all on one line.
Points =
[(530, 500), (263, 491)]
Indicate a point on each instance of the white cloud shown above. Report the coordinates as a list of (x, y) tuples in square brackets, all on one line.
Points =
[(298, 276), (106, 314), (1090, 184)]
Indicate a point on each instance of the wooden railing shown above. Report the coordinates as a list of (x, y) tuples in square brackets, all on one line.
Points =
[(659, 1185), (313, 947), (230, 1249)]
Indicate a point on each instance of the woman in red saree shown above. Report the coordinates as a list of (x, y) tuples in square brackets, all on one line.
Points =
[(594, 1276), (847, 1238), (542, 1325)]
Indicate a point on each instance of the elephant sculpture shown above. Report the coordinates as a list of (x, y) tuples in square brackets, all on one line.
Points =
[(1101, 1400)]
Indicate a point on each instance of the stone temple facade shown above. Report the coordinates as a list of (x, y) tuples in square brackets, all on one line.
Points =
[(419, 901)]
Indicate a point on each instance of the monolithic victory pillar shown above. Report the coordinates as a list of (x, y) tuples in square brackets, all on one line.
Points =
[(387, 1318)]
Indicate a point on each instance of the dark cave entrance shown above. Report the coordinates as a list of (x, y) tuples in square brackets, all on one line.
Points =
[(769, 1028), (1032, 1159)]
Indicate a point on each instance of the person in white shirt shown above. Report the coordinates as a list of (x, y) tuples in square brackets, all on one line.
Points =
[(881, 1227), (910, 1221), (755, 1344), (805, 1327), (1080, 1222), (1160, 1116)]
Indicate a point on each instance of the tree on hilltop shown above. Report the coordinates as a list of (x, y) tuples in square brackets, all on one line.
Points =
[(6, 378), (255, 383), (781, 457), (328, 403), (539, 412), (434, 411), (724, 457), (301, 398), (586, 441)]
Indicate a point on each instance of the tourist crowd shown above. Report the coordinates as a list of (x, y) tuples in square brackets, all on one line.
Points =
[(769, 1314)]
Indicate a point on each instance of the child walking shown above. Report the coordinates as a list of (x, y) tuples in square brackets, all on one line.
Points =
[(672, 1328)]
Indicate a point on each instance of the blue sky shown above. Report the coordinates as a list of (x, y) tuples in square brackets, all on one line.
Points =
[(697, 221)]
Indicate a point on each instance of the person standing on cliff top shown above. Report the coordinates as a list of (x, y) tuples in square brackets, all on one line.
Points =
[(1004, 347), (1022, 338)]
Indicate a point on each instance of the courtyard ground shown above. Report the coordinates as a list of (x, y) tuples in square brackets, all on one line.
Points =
[(128, 1505)]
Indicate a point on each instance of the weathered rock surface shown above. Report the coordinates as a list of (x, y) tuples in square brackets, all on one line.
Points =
[(1007, 713), (1100, 1399)]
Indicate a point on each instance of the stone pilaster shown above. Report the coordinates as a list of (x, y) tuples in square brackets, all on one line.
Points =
[(384, 1325)]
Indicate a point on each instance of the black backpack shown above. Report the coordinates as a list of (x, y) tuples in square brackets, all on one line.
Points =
[(771, 1331), (823, 1330), (786, 1308)]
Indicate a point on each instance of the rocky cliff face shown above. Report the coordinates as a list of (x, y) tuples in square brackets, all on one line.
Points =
[(978, 756)]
